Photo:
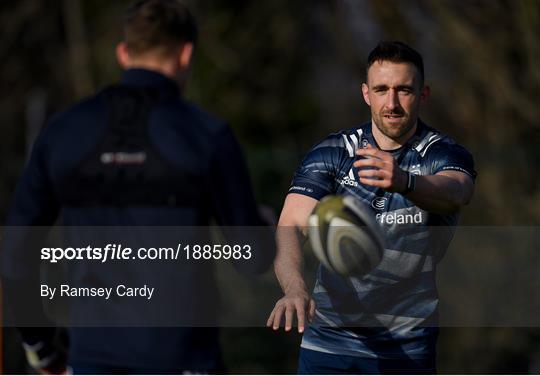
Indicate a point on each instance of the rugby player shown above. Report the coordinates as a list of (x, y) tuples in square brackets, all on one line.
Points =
[(134, 154), (412, 177)]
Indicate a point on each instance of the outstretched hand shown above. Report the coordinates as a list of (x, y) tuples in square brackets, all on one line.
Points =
[(295, 303)]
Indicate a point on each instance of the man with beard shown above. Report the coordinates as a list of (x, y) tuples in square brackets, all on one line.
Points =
[(385, 321)]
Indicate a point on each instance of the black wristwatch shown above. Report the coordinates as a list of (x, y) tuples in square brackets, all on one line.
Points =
[(411, 183)]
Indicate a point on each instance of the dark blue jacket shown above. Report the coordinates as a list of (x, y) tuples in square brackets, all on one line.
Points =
[(196, 173)]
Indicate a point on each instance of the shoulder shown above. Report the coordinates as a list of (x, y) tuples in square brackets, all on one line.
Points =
[(442, 152), (435, 143), (80, 119), (344, 141), (199, 118), (334, 152), (87, 108)]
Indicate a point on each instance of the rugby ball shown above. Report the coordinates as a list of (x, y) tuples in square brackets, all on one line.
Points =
[(344, 236)]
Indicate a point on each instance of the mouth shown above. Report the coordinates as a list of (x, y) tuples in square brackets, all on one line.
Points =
[(393, 118)]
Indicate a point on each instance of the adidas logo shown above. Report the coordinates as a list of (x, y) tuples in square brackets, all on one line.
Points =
[(348, 180)]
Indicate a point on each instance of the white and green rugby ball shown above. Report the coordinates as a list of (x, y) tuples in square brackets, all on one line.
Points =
[(344, 236)]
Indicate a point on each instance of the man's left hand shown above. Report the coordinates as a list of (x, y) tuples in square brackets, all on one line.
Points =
[(382, 170)]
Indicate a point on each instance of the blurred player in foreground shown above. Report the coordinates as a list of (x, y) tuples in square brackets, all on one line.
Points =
[(412, 177), (134, 154)]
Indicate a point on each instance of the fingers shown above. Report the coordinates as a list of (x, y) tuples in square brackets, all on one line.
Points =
[(311, 310), (278, 312), (301, 317), (369, 162), (289, 312), (291, 309), (374, 183), (370, 151), (379, 168), (270, 320), (379, 174)]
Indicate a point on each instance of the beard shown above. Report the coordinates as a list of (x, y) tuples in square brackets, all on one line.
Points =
[(394, 124)]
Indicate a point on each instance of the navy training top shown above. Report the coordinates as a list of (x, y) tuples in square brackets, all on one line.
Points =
[(392, 311), (197, 172)]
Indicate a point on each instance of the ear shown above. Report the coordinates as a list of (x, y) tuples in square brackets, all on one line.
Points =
[(184, 56), (122, 55), (424, 94), (365, 93)]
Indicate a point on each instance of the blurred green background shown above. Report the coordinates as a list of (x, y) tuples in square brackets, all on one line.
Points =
[(286, 73)]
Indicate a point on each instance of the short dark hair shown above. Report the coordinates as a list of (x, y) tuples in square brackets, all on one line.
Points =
[(158, 25), (396, 52)]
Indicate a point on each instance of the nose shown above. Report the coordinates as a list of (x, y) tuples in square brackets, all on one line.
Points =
[(392, 100)]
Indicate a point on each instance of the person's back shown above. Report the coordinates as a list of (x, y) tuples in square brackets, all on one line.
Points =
[(164, 166), (137, 154)]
